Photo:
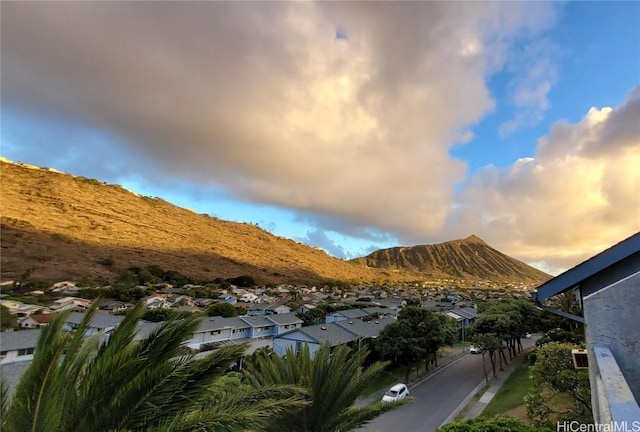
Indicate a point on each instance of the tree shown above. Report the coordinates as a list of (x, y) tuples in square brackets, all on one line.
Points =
[(161, 314), (497, 325), (7, 320), (225, 310), (312, 317), (488, 343), (495, 424), (398, 343), (552, 374), (81, 383), (334, 379), (244, 281)]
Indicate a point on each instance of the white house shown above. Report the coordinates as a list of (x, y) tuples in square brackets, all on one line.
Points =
[(16, 346), (248, 298), (35, 321), (219, 329)]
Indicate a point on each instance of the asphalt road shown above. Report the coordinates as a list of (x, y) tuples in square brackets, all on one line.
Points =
[(436, 397)]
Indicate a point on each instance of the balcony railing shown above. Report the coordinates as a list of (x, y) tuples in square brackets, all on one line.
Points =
[(613, 402)]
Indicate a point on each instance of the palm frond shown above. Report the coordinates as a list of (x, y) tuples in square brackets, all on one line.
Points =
[(38, 396), (240, 410)]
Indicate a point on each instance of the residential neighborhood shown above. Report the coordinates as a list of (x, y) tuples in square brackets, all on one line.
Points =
[(263, 314)]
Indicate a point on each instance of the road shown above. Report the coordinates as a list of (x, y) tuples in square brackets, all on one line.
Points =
[(436, 397)]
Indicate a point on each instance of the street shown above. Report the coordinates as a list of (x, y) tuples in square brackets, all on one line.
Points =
[(436, 397)]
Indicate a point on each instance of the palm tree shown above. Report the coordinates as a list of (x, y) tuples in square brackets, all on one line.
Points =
[(80, 383), (334, 380)]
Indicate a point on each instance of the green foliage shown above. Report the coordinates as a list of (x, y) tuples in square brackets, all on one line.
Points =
[(418, 333), (243, 281), (553, 375), (89, 293), (162, 314), (511, 393), (78, 383), (7, 320), (561, 336), (494, 424), (333, 380), (222, 309), (107, 262), (312, 317)]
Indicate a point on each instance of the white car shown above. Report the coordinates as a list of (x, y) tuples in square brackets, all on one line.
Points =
[(396, 393), (475, 349)]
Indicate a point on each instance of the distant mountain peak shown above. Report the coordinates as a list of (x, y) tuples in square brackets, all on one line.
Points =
[(468, 258), (474, 239)]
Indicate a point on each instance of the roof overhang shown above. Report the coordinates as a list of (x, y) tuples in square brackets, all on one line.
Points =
[(574, 277)]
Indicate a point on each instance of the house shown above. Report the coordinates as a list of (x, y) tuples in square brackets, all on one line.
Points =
[(607, 287), (101, 322), (464, 317), (156, 302), (73, 303), (19, 309), (248, 298), (178, 300), (260, 326), (62, 286), (391, 303), (267, 309), (348, 314), (114, 306), (306, 308), (35, 321), (359, 314), (203, 302), (228, 298), (313, 336), (353, 332), (284, 322), (18, 346), (219, 329)]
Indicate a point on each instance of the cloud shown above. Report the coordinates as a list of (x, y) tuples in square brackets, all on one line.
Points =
[(264, 100), (578, 196), (320, 239), (534, 72), (330, 109)]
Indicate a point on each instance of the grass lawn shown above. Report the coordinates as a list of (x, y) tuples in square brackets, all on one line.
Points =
[(512, 392), (386, 379)]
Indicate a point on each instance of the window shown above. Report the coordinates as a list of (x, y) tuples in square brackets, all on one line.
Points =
[(25, 351)]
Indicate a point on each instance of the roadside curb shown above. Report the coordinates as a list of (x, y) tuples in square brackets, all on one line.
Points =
[(463, 404), (410, 385), (489, 391), (436, 370)]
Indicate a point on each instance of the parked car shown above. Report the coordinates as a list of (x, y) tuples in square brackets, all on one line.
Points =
[(396, 393), (527, 336), (475, 349)]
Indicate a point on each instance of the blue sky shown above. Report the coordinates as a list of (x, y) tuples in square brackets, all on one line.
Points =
[(350, 126)]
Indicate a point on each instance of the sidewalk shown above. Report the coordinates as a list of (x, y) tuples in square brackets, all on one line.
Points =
[(495, 385), (489, 392)]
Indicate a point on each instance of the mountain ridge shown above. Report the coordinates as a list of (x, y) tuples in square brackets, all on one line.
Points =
[(472, 256), (56, 225)]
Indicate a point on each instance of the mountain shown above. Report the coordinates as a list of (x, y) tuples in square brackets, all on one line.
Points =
[(469, 258), (57, 226)]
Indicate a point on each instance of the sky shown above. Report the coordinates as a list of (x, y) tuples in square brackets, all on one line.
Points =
[(350, 126)]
